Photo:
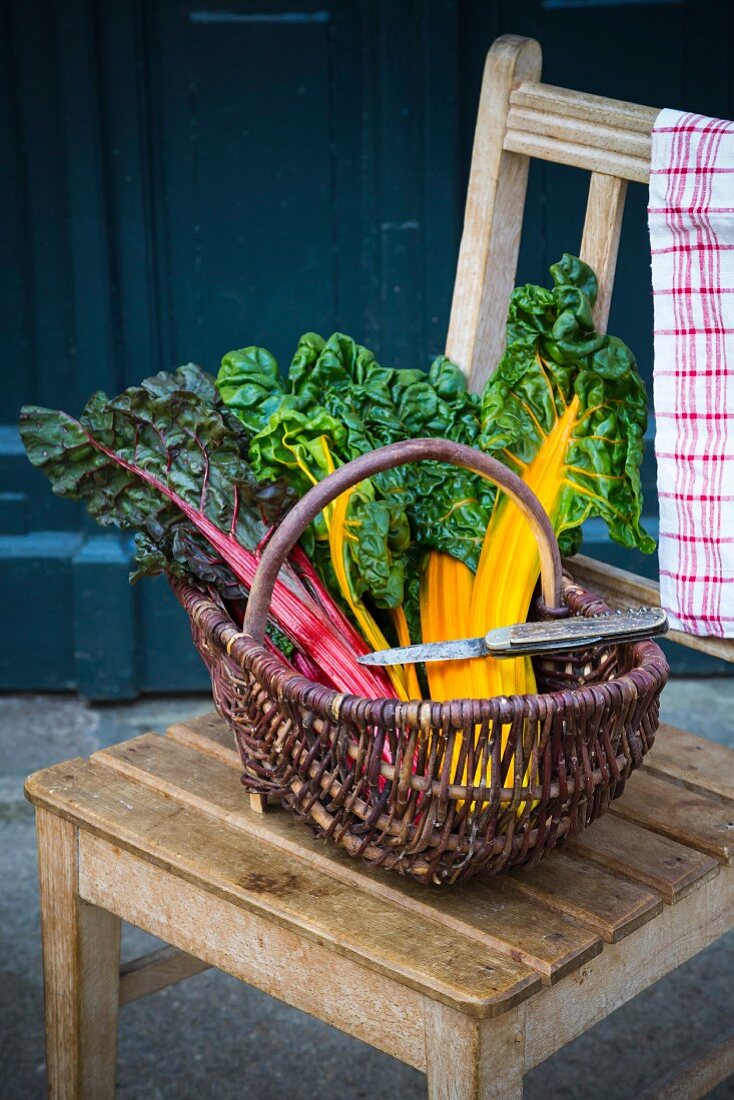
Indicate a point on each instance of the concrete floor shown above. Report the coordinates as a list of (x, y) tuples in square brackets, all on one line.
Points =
[(212, 1037)]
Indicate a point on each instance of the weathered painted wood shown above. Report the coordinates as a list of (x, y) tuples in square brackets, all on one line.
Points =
[(129, 241)]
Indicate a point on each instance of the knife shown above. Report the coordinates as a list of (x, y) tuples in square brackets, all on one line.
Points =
[(523, 639)]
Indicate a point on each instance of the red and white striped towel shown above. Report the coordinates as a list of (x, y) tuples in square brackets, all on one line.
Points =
[(691, 219)]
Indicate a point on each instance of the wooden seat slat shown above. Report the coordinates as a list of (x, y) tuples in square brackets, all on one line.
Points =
[(669, 868), (493, 913), (610, 904), (209, 734), (692, 761), (238, 868), (683, 815)]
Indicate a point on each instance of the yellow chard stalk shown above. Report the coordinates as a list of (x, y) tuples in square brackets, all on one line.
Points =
[(509, 565)]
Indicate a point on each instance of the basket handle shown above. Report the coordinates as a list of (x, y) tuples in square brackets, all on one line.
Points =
[(288, 532)]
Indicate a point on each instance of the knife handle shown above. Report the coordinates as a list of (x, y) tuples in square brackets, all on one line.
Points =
[(580, 632), (386, 458)]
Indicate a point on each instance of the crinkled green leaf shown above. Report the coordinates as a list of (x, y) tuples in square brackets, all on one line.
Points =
[(190, 378), (298, 446), (339, 401), (554, 354), (449, 508), (249, 385), (571, 271), (379, 537)]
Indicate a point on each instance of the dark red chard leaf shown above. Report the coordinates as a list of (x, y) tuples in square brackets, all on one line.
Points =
[(155, 457), (190, 377), (180, 550)]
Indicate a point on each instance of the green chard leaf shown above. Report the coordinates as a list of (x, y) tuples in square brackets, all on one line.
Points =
[(556, 365), (338, 402), (249, 385)]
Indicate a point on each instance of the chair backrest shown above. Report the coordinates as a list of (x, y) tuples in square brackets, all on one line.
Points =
[(519, 118)]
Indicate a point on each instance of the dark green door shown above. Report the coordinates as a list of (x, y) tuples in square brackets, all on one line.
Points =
[(183, 178)]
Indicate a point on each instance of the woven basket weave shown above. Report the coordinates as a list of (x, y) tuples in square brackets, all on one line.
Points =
[(570, 747)]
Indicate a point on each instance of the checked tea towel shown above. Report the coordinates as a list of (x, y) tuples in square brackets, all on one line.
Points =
[(691, 219)]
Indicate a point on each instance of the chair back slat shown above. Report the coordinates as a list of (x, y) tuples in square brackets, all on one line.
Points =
[(599, 136), (600, 239), (589, 157), (586, 131), (595, 110), (495, 204)]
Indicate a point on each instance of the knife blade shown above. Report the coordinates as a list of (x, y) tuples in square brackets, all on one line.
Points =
[(428, 651), (525, 639)]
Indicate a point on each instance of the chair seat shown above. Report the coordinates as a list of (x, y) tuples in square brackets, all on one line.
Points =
[(176, 803)]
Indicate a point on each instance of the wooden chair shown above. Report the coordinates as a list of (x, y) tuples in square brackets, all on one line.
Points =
[(474, 986)]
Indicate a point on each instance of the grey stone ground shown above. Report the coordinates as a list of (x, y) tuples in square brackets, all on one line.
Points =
[(212, 1037)]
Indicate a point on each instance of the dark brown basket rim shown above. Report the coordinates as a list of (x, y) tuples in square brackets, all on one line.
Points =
[(648, 674)]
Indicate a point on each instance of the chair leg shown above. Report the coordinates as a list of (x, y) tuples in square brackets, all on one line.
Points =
[(81, 966), (470, 1059)]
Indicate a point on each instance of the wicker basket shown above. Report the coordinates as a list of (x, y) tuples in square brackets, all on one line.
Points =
[(321, 752)]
